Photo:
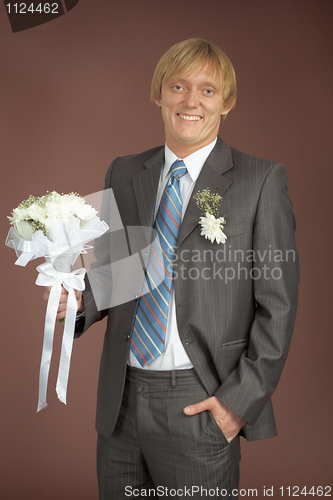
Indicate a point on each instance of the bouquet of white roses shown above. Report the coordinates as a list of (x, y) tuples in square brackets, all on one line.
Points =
[(47, 226), (58, 228)]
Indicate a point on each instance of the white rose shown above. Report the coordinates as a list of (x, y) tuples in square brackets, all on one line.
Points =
[(212, 228)]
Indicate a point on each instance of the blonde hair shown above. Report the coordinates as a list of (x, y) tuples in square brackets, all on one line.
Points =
[(184, 56)]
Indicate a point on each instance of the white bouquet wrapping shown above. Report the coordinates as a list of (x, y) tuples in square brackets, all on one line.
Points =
[(58, 228)]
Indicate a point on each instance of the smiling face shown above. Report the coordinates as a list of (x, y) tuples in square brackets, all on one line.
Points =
[(192, 105)]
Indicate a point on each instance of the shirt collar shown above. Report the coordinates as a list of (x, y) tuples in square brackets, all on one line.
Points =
[(193, 162)]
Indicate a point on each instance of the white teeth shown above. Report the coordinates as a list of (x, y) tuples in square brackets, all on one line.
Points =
[(191, 118)]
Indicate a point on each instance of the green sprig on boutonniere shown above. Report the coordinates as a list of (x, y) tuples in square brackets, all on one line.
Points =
[(211, 224)]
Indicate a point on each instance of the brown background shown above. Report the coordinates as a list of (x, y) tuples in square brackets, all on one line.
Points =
[(74, 95)]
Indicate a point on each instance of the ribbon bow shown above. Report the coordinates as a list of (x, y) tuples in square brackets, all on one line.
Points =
[(49, 276)]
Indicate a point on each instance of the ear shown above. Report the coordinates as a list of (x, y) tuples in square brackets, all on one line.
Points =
[(227, 106), (158, 102), (226, 109)]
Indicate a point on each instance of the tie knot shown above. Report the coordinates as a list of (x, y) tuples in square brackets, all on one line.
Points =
[(178, 169)]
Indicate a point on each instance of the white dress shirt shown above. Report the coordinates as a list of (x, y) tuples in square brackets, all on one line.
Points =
[(174, 356)]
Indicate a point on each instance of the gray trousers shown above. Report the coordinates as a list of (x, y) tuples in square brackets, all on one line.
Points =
[(158, 451)]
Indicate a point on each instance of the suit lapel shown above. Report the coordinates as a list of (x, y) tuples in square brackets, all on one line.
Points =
[(146, 183), (145, 187), (218, 162)]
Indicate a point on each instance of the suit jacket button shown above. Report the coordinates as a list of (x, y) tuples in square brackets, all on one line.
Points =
[(127, 336)]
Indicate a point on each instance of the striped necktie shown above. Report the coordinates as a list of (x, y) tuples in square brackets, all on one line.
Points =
[(148, 336)]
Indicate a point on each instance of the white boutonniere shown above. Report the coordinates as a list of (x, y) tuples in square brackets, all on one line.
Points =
[(211, 224)]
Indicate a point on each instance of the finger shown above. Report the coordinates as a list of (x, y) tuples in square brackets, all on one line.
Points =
[(62, 309), (80, 304), (63, 296), (61, 315), (231, 436), (206, 404), (63, 300), (78, 294), (46, 294), (62, 306)]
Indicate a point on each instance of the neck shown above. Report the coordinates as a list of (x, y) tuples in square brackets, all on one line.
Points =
[(184, 150)]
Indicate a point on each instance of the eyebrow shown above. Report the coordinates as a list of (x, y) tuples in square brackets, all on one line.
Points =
[(209, 84)]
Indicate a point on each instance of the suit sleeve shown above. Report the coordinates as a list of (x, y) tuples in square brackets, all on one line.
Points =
[(248, 388), (101, 252)]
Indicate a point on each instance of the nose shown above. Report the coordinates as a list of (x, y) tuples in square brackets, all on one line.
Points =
[(192, 100)]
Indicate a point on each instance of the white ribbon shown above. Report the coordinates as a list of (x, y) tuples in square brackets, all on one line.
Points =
[(49, 276)]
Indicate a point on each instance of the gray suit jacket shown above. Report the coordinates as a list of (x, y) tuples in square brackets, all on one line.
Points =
[(235, 303)]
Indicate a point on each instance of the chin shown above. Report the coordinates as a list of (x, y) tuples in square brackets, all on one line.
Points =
[(188, 136), (191, 140)]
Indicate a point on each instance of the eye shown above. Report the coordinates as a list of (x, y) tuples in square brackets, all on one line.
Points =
[(208, 91), (177, 87)]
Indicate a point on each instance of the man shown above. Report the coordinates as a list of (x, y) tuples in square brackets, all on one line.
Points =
[(170, 418)]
